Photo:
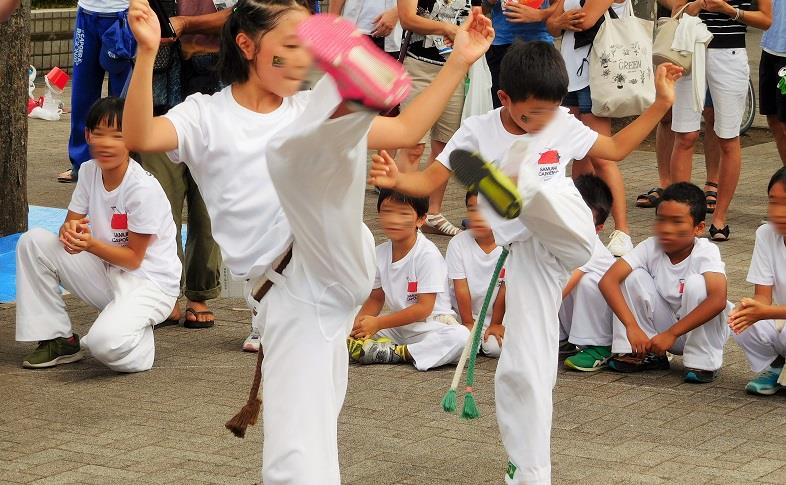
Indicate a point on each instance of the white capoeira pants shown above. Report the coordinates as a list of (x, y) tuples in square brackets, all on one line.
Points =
[(318, 167), (585, 317), (701, 348), (122, 335), (431, 343), (562, 238), (763, 342)]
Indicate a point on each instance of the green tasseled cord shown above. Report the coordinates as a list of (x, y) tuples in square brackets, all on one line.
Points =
[(471, 410)]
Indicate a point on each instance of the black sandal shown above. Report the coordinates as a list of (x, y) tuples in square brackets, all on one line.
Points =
[(712, 196), (196, 323), (649, 200), (719, 235)]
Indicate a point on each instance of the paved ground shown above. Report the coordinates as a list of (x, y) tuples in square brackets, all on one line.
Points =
[(85, 424)]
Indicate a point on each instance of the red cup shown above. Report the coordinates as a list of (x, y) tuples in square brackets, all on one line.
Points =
[(57, 78)]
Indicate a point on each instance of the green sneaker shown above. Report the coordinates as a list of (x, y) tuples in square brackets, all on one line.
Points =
[(589, 359), (478, 175), (50, 353), (355, 346)]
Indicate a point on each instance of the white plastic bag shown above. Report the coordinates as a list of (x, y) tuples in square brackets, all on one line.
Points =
[(478, 99)]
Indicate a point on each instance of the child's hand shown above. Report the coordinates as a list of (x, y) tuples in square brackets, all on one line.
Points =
[(497, 331), (69, 231), (383, 172), (639, 342), (473, 38), (747, 312), (79, 240), (661, 343), (144, 25), (665, 77), (366, 326)]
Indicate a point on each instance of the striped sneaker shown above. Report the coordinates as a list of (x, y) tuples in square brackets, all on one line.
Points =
[(438, 224), (362, 72)]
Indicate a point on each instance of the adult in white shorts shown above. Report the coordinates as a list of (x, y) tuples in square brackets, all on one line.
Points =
[(726, 76)]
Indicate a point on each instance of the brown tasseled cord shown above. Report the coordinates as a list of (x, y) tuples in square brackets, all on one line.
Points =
[(250, 412)]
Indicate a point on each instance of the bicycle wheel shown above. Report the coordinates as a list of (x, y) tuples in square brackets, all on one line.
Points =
[(750, 109)]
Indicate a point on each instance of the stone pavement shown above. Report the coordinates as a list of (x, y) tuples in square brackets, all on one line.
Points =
[(85, 424)]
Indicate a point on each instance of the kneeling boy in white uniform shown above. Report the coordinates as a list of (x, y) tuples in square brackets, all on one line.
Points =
[(758, 322), (669, 293), (471, 258), (585, 318), (116, 251), (412, 280)]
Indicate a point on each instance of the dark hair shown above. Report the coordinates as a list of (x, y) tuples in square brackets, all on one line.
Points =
[(470, 193), (779, 176), (254, 18), (687, 193), (109, 110), (597, 195), (420, 204), (533, 70)]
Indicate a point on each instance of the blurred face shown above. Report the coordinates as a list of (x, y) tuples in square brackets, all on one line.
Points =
[(477, 224), (279, 60), (776, 209), (107, 146), (530, 115), (399, 220), (674, 226)]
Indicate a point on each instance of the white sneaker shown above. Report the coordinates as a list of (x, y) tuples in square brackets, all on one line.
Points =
[(620, 243), (253, 342)]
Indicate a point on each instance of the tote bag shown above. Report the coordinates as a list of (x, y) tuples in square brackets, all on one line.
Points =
[(664, 38), (622, 81)]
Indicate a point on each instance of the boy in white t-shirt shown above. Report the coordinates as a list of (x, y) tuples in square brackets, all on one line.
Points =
[(585, 318), (116, 251), (412, 281), (533, 139), (669, 293), (758, 322), (471, 258)]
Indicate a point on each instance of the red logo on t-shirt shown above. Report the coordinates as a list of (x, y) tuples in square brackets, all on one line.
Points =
[(412, 287), (119, 221), (502, 274), (548, 163), (681, 287)]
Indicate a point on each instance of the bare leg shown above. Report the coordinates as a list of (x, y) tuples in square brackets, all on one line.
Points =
[(778, 129), (730, 165), (682, 156), (664, 146), (711, 146), (435, 199), (610, 173)]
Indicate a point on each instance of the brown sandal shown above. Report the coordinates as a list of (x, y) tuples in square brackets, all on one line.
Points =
[(649, 200), (196, 323)]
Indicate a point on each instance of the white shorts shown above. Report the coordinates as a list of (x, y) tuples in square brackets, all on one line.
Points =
[(727, 79)]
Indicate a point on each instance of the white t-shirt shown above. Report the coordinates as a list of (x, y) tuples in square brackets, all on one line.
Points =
[(363, 13), (564, 139), (466, 260), (140, 205), (768, 265), (670, 278), (103, 6), (224, 146), (422, 270), (578, 69), (601, 259)]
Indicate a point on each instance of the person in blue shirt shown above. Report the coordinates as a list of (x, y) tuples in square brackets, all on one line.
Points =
[(511, 19), (772, 75)]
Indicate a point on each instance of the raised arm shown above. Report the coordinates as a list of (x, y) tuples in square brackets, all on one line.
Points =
[(619, 146), (141, 130), (472, 41), (384, 174)]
